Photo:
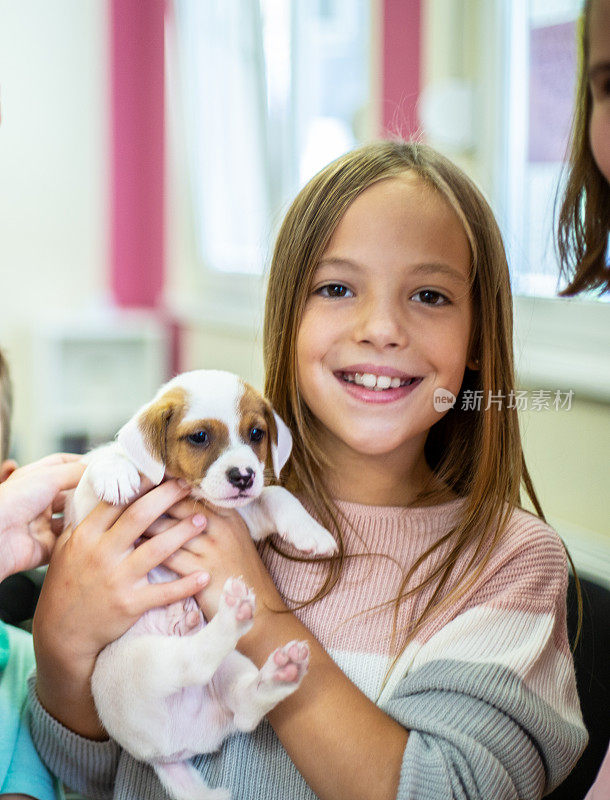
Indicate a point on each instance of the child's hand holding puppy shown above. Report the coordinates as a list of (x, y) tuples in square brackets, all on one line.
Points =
[(223, 550)]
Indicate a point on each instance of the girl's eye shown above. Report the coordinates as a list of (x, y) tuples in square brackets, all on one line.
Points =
[(334, 290), (200, 438), (257, 435), (430, 298)]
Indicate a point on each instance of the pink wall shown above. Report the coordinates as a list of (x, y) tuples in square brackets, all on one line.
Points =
[(137, 236), (401, 42)]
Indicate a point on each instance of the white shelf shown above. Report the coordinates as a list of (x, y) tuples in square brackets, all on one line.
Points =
[(88, 375)]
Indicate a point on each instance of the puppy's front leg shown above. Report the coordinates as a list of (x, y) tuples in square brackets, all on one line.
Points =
[(278, 511), (112, 474)]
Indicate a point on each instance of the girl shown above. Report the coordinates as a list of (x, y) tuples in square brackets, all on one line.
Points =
[(439, 664), (582, 238)]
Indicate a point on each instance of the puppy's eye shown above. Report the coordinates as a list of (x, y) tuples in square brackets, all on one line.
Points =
[(200, 437), (257, 434)]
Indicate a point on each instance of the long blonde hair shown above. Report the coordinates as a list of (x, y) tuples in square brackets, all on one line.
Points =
[(477, 455), (583, 222)]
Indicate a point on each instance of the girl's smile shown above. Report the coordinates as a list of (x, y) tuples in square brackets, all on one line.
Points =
[(387, 321), (373, 384)]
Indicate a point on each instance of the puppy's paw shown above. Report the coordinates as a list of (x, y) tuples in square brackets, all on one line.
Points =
[(310, 537), (236, 605), (113, 477), (286, 665)]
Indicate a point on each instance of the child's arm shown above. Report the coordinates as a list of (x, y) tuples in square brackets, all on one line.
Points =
[(28, 499), (345, 747), (21, 771), (95, 589)]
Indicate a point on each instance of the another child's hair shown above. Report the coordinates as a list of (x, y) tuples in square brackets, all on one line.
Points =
[(477, 455), (6, 408), (582, 223)]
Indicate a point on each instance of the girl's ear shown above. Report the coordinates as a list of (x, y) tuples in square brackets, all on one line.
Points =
[(474, 364), (281, 443), (144, 437)]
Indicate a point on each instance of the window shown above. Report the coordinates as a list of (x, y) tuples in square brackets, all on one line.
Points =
[(541, 38), (558, 342), (271, 91)]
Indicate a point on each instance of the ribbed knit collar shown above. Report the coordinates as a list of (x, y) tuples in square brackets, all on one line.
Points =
[(381, 527)]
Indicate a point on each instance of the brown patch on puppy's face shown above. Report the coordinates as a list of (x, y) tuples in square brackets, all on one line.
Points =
[(195, 445), (256, 424), (186, 448)]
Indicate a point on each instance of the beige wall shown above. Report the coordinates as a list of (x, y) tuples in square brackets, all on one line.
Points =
[(567, 454)]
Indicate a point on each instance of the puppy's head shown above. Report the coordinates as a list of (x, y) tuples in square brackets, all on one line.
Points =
[(213, 430)]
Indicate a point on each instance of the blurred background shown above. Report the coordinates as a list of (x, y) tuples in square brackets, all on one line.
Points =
[(149, 149)]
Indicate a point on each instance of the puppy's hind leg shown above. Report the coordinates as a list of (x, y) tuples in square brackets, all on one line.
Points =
[(183, 782), (252, 693)]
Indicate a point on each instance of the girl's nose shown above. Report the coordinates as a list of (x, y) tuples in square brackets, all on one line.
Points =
[(381, 324)]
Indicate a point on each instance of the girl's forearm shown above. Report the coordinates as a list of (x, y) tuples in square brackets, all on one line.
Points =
[(64, 689), (345, 747)]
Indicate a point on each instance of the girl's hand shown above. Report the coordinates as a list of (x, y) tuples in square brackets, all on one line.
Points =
[(28, 500), (96, 588), (225, 550)]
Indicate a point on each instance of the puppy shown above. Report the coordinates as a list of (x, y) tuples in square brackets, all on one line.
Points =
[(174, 686)]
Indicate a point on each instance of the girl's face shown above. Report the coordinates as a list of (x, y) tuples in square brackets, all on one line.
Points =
[(387, 321), (599, 77)]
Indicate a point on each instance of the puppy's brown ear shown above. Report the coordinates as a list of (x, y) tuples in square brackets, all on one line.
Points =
[(144, 437), (280, 439)]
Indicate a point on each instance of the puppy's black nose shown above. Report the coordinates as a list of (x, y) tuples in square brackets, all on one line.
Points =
[(241, 480)]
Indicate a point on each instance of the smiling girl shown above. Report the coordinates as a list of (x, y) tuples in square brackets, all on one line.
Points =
[(440, 665)]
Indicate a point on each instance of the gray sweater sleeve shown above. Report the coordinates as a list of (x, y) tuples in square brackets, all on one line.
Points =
[(489, 698), (84, 765), (477, 732)]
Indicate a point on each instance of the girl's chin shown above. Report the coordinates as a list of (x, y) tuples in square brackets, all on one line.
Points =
[(376, 444)]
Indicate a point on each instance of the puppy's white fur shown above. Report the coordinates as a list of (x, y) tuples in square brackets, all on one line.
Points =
[(174, 686)]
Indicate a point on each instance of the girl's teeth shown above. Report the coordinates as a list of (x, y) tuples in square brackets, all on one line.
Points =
[(375, 382), (368, 380)]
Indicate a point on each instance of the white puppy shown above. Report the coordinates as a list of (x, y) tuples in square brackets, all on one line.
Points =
[(174, 686)]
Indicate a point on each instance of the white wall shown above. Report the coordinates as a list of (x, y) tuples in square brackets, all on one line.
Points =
[(53, 154)]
